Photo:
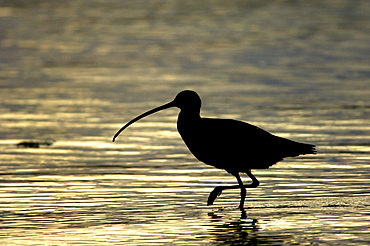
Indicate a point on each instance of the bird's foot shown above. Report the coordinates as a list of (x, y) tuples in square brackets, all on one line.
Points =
[(243, 214), (213, 195)]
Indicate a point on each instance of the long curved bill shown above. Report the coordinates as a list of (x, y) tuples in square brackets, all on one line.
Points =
[(152, 111)]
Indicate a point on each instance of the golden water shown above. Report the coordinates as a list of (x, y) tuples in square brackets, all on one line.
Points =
[(74, 72)]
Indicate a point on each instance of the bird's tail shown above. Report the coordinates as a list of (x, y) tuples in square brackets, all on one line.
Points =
[(293, 148), (312, 149), (307, 149)]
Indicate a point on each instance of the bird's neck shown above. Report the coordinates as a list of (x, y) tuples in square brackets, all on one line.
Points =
[(189, 115), (187, 124), (187, 120)]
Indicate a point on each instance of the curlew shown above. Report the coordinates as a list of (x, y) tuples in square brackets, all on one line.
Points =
[(232, 145)]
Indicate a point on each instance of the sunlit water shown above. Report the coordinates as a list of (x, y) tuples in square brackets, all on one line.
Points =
[(74, 72)]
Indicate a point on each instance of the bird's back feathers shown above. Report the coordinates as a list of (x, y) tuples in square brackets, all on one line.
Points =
[(238, 146)]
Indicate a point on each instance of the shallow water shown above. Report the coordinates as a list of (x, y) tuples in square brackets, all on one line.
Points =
[(73, 72)]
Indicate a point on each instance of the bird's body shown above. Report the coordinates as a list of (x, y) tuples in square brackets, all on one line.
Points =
[(232, 145), (236, 146)]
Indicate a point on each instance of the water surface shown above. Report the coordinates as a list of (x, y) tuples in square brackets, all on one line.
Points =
[(73, 72)]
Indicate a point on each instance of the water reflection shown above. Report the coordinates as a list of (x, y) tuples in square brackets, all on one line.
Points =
[(73, 71), (101, 197), (241, 232)]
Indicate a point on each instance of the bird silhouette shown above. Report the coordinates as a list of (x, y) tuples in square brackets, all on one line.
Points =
[(232, 145)]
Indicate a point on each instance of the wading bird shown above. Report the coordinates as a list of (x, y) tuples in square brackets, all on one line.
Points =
[(232, 145)]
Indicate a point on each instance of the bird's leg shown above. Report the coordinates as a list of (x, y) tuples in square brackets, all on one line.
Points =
[(218, 190), (243, 191), (255, 183)]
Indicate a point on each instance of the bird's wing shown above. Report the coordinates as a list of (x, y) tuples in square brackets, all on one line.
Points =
[(227, 133), (232, 141), (235, 141)]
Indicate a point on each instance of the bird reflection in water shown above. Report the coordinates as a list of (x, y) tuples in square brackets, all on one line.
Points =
[(242, 231), (243, 215), (232, 145)]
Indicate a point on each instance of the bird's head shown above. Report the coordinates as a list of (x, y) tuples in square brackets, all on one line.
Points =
[(185, 100)]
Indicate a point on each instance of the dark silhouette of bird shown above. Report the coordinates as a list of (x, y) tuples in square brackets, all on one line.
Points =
[(232, 145)]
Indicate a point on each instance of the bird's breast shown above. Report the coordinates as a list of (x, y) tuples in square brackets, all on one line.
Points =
[(202, 141)]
